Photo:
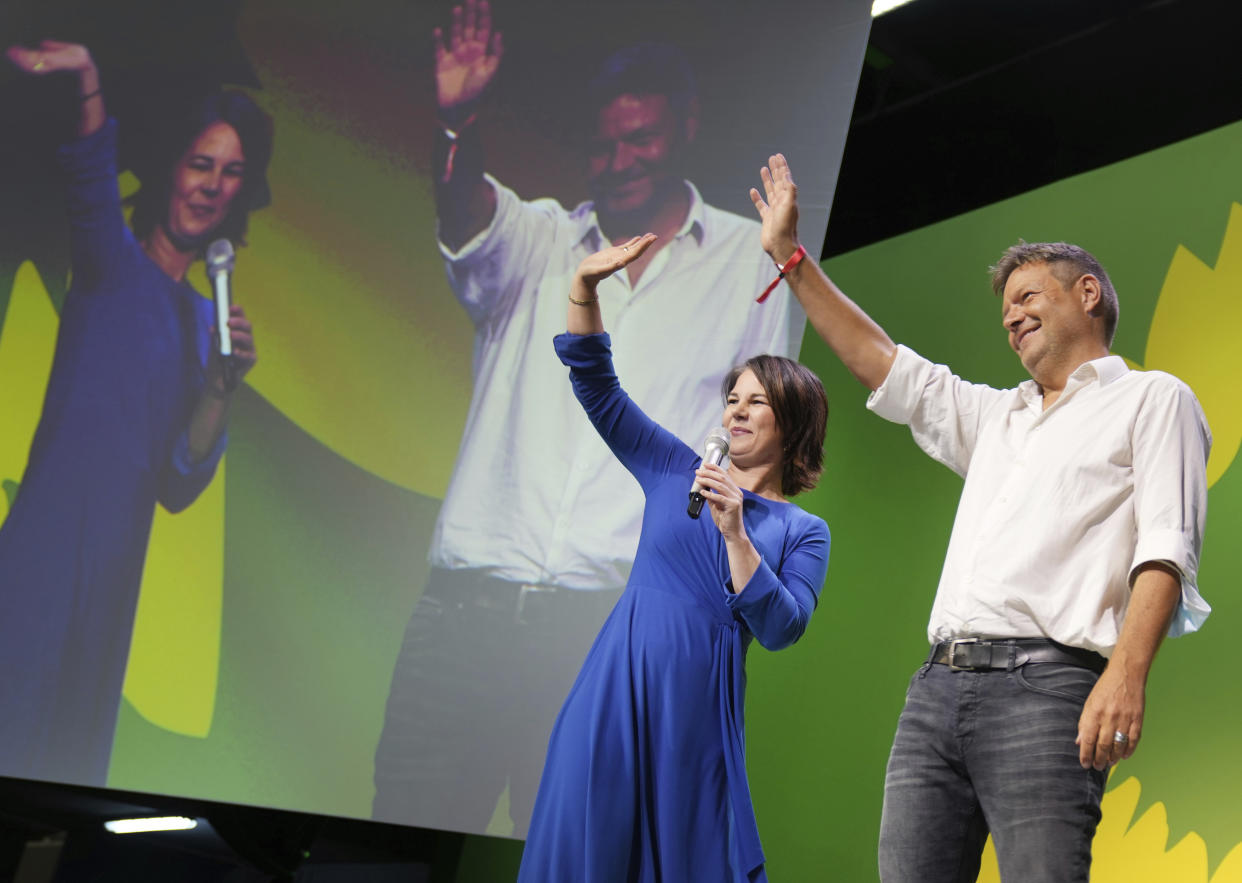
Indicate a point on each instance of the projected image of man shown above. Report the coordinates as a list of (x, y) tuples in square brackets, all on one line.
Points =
[(538, 528)]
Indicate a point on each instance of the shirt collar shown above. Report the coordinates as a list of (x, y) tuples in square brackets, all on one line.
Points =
[(1105, 369), (1108, 369), (589, 230)]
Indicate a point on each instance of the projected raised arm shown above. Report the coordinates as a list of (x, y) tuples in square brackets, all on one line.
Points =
[(53, 56), (861, 344), (465, 66)]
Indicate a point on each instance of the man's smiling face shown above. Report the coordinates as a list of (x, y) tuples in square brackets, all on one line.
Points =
[(1046, 320)]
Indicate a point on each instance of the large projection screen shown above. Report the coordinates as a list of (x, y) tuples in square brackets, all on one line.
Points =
[(272, 608)]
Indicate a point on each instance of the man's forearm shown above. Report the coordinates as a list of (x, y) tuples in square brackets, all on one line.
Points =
[(1153, 601), (465, 203), (1111, 724), (862, 345)]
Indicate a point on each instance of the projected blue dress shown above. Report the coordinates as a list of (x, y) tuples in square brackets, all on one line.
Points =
[(128, 369), (645, 778)]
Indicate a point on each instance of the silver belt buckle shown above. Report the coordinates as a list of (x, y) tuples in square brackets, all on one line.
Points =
[(529, 589), (953, 645)]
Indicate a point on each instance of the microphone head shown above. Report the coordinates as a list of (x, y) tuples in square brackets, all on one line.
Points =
[(717, 438), (220, 257)]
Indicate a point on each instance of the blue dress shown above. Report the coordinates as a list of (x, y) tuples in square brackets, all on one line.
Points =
[(128, 369), (645, 777)]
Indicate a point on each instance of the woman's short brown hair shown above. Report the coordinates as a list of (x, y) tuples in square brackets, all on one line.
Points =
[(156, 158), (800, 406)]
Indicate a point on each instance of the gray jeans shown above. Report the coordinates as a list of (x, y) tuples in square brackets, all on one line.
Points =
[(990, 751), (482, 672)]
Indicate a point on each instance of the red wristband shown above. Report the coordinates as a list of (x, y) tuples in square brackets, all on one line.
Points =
[(453, 135), (782, 269)]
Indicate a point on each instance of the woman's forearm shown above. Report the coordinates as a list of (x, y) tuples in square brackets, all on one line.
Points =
[(584, 315), (92, 113), (208, 422), (744, 560)]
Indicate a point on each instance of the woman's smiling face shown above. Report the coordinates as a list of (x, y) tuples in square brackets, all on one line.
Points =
[(205, 181), (754, 436)]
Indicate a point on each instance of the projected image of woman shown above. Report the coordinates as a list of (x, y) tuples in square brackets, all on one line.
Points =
[(134, 413), (645, 776)]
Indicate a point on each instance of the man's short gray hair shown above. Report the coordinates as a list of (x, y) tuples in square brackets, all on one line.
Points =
[(1068, 263)]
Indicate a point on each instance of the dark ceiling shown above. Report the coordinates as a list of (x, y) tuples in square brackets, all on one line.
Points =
[(965, 102)]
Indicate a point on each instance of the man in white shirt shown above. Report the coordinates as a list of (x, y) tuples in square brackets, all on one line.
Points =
[(538, 528), (1074, 551)]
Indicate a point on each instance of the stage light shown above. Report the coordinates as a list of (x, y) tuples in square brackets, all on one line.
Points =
[(161, 823), (879, 7)]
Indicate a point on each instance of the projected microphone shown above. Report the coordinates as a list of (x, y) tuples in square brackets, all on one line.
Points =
[(715, 449), (220, 260)]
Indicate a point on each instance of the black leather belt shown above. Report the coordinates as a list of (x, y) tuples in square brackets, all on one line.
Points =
[(472, 588), (977, 654)]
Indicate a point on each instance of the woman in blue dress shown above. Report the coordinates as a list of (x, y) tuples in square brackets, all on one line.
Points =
[(645, 778), (134, 413)]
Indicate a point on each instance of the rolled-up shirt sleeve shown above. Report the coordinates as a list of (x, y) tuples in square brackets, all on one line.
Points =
[(487, 274), (943, 411), (1171, 446)]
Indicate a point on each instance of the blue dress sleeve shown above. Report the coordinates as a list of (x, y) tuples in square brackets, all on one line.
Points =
[(97, 228), (776, 606), (645, 448), (183, 479)]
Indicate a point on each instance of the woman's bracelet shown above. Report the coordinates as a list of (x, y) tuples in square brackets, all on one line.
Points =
[(89, 95), (584, 303)]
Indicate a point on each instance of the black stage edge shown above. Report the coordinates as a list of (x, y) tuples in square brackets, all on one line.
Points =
[(53, 833)]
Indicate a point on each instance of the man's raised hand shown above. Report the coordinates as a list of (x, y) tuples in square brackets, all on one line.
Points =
[(778, 209), (469, 62)]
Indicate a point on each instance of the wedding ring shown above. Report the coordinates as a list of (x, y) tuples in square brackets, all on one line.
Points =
[(1120, 738)]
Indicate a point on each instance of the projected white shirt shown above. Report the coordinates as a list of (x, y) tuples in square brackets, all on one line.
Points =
[(536, 496), (1059, 506)]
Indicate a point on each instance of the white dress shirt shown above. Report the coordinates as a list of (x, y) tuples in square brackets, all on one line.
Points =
[(536, 496), (1060, 506)]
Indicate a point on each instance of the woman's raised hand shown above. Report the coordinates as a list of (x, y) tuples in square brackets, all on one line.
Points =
[(469, 62), (599, 266), (51, 56), (584, 313)]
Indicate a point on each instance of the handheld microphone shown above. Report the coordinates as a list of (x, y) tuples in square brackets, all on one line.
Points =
[(715, 449), (220, 260)]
